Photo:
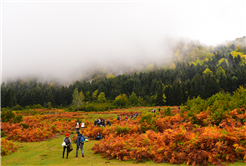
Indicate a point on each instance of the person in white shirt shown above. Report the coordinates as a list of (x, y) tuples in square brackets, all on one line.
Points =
[(82, 125)]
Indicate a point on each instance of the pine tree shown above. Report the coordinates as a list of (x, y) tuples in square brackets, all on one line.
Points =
[(18, 97), (178, 94), (50, 97), (168, 95), (159, 101), (1, 98), (223, 83), (8, 101), (25, 99)]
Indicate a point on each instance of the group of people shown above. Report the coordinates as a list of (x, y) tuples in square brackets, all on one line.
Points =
[(126, 117), (78, 126), (99, 122), (153, 111), (67, 143)]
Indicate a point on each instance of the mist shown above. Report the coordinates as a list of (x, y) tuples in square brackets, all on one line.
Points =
[(66, 41)]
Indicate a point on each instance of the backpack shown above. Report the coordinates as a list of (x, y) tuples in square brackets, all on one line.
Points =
[(81, 140), (67, 141)]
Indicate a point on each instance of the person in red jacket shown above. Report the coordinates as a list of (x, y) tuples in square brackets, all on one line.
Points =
[(126, 118), (67, 141)]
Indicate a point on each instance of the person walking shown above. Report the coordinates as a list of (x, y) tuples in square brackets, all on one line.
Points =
[(82, 125), (68, 142), (80, 143), (77, 127)]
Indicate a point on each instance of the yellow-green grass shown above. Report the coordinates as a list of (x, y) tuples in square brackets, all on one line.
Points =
[(50, 153)]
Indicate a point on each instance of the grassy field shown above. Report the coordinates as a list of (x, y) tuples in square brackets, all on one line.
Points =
[(50, 152)]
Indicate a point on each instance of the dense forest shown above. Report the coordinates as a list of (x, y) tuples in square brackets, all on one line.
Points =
[(193, 70)]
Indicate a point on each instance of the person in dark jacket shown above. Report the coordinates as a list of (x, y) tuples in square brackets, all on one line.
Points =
[(108, 123), (98, 137), (80, 143), (95, 123), (67, 140)]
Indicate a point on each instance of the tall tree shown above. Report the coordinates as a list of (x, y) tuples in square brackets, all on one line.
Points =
[(1, 98), (94, 95), (78, 98), (101, 97)]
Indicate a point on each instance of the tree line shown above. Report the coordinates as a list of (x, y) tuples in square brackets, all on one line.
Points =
[(193, 71)]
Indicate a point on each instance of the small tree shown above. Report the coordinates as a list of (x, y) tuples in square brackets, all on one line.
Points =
[(94, 95), (49, 105), (133, 99), (101, 97), (78, 98)]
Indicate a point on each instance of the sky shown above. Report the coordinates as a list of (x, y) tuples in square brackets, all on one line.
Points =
[(63, 40)]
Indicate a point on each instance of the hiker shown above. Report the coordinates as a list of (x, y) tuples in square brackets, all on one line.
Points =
[(108, 123), (95, 122), (77, 127), (118, 117), (98, 137), (80, 143), (82, 125), (68, 142), (103, 122), (126, 118), (99, 122), (159, 109)]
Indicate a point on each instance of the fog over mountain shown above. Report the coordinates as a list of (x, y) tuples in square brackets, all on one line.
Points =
[(65, 41)]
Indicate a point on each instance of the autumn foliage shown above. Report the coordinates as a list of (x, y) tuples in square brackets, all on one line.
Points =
[(7, 147), (178, 142)]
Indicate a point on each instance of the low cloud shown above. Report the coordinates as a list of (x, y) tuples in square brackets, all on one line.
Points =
[(66, 41)]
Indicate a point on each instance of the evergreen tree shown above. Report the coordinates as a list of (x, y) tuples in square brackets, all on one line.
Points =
[(223, 83), (18, 97), (2, 98), (8, 98), (198, 87), (25, 99), (50, 98), (178, 94)]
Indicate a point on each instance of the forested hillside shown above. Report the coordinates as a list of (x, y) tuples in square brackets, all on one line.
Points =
[(192, 70)]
